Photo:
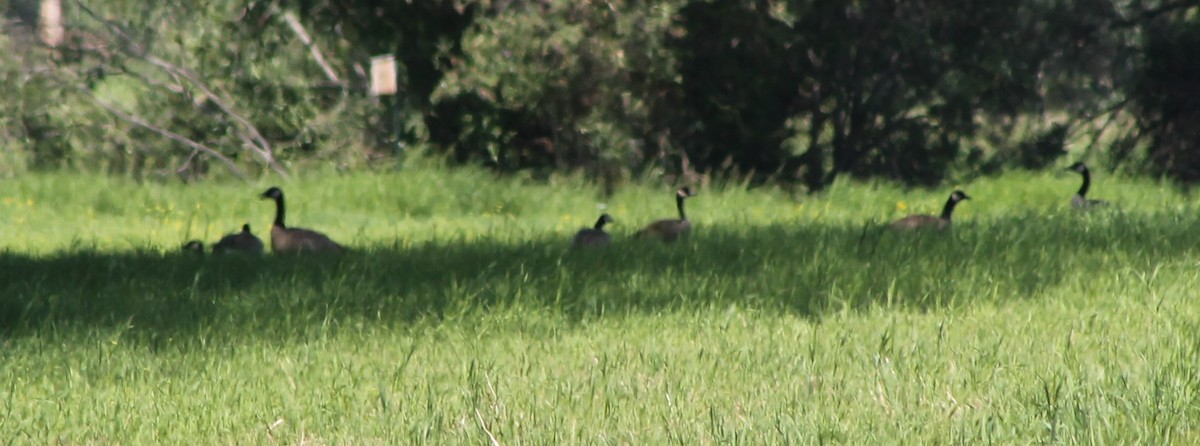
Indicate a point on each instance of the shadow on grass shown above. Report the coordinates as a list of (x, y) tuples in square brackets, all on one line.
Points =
[(806, 270)]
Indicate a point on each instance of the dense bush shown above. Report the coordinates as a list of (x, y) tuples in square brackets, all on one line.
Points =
[(1167, 93), (196, 72), (562, 84), (801, 91)]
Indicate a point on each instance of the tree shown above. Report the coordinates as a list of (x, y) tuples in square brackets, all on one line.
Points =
[(1167, 96)]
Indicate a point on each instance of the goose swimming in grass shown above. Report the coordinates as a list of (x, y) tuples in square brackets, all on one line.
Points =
[(595, 235), (285, 240), (1080, 199), (929, 221), (668, 230)]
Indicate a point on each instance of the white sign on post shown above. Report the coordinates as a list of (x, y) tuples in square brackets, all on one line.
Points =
[(383, 75), (51, 22)]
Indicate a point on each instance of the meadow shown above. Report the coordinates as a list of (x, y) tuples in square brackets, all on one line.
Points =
[(463, 317)]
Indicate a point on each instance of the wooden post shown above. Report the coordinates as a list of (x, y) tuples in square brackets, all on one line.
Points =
[(383, 83), (50, 28)]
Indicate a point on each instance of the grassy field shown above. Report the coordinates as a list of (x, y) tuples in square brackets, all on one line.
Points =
[(462, 317)]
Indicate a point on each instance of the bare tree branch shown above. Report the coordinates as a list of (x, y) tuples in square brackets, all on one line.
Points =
[(187, 164), (138, 121), (298, 28), (1143, 16), (251, 137)]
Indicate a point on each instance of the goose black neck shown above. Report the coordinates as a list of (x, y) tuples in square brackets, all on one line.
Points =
[(1087, 181), (949, 208), (279, 212), (599, 224), (679, 205)]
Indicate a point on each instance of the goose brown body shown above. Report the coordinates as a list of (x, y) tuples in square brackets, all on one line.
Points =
[(669, 230), (922, 221), (595, 235), (239, 243), (285, 240)]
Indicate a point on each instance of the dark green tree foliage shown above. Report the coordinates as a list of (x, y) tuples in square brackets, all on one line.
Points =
[(879, 87), (559, 84), (802, 91), (1167, 93), (423, 35), (739, 85), (1044, 149)]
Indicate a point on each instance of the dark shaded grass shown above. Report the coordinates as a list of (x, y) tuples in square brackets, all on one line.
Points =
[(806, 270)]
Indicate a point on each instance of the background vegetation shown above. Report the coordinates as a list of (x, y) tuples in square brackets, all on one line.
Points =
[(795, 91)]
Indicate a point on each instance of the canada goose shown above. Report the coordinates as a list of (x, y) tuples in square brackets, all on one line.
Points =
[(240, 242), (670, 229), (1080, 199), (929, 221), (194, 247), (594, 236), (285, 240)]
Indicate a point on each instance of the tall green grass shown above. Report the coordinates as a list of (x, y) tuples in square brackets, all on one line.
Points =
[(462, 315)]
